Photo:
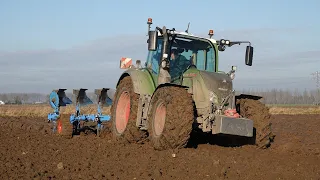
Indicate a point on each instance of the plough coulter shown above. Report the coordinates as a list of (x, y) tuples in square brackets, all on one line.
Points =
[(72, 125)]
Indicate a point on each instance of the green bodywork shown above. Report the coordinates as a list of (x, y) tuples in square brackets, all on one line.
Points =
[(142, 80), (200, 82)]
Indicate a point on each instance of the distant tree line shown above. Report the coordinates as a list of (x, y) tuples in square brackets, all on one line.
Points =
[(279, 96), (272, 96), (22, 98)]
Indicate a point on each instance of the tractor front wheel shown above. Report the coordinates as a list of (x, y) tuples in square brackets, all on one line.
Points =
[(124, 114), (170, 118), (259, 114)]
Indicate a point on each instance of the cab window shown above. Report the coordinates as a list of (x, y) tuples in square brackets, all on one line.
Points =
[(153, 59), (185, 52)]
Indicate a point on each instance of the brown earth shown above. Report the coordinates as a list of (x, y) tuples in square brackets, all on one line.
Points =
[(29, 151)]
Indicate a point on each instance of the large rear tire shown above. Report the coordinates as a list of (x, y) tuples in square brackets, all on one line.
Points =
[(259, 114), (170, 118), (124, 114)]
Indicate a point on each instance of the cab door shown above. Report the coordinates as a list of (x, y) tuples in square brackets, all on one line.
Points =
[(153, 61)]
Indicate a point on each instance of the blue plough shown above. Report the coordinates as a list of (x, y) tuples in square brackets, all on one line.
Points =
[(58, 98)]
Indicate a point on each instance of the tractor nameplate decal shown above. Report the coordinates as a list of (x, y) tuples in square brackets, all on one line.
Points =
[(190, 75)]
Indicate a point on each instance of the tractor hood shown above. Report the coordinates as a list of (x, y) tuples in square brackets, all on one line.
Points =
[(220, 84)]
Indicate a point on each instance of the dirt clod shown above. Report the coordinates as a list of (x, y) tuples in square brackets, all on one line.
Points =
[(60, 165)]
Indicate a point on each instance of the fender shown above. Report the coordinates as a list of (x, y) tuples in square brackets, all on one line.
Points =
[(141, 79), (247, 96), (169, 84)]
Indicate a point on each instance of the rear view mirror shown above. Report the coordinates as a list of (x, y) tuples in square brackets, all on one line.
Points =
[(249, 55), (125, 63), (152, 41)]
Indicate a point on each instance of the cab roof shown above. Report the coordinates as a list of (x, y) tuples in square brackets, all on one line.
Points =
[(185, 34)]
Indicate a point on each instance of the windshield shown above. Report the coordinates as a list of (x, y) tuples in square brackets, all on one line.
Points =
[(185, 52)]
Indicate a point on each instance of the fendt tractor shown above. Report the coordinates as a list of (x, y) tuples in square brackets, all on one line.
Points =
[(181, 90)]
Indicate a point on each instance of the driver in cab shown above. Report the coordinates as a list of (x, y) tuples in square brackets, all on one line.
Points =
[(178, 63)]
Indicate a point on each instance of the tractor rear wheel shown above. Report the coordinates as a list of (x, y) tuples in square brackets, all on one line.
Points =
[(170, 118), (124, 114), (259, 114)]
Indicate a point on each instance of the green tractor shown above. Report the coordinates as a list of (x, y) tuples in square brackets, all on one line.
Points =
[(181, 90)]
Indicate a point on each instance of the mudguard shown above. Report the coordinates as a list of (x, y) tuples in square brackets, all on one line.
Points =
[(142, 80), (248, 96)]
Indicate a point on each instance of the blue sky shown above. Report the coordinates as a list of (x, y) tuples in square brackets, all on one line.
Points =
[(83, 37)]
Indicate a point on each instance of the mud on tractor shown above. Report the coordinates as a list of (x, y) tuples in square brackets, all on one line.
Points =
[(181, 89)]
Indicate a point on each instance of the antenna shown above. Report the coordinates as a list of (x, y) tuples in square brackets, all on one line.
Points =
[(187, 31)]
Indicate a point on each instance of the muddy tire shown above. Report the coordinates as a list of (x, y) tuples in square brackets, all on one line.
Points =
[(170, 118), (64, 127), (259, 113), (124, 114)]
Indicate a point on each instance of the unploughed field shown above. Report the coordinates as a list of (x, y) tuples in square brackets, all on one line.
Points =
[(28, 150)]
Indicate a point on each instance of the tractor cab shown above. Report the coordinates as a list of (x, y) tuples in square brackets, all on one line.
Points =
[(184, 52), (172, 54)]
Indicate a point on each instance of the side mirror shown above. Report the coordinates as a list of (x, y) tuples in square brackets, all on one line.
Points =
[(153, 40), (249, 55)]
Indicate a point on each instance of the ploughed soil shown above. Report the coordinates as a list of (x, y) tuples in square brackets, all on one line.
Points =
[(29, 151)]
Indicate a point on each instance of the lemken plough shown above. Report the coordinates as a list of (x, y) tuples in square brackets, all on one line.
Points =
[(58, 99)]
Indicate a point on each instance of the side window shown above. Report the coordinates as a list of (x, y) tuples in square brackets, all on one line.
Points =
[(200, 60), (210, 60), (154, 58)]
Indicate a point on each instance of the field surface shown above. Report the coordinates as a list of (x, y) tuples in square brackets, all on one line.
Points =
[(29, 151)]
